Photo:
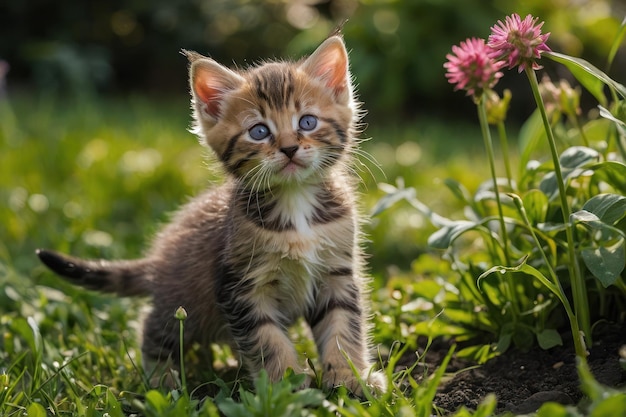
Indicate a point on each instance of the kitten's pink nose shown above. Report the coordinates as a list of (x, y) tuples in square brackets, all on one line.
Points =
[(290, 151)]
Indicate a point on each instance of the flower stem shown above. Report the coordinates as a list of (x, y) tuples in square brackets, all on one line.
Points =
[(579, 344), (579, 290), (181, 316), (484, 125)]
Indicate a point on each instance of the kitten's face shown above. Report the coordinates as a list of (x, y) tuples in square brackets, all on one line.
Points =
[(278, 123)]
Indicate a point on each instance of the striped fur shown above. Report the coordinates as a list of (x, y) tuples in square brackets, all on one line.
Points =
[(279, 240)]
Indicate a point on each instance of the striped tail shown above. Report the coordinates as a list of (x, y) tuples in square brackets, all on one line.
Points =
[(125, 278)]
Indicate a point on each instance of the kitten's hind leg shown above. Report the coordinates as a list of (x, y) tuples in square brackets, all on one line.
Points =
[(160, 347), (161, 373)]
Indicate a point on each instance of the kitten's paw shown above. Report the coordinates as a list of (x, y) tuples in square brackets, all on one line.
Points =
[(343, 376), (169, 380), (374, 380), (308, 381)]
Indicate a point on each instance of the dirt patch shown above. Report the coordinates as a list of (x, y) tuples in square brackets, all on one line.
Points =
[(522, 381)]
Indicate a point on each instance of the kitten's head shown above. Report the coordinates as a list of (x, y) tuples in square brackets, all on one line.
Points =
[(279, 122)]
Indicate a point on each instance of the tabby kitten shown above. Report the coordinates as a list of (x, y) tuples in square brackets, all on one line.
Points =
[(277, 241)]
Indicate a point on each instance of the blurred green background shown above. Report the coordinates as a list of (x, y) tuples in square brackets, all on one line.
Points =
[(398, 47), (94, 108)]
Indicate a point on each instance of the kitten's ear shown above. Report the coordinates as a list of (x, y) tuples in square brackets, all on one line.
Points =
[(329, 63), (210, 81)]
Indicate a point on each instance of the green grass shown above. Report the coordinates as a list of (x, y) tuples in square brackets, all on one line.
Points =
[(97, 178)]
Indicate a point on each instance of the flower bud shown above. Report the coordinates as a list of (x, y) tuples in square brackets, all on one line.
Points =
[(497, 107), (181, 313)]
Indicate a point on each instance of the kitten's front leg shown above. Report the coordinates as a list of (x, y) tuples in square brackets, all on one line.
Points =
[(260, 337), (338, 324)]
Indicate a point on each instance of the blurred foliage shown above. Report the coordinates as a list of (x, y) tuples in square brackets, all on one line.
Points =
[(398, 47)]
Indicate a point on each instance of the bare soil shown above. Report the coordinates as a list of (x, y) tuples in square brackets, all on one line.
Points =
[(523, 381)]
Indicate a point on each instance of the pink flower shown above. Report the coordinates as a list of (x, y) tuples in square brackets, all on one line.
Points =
[(518, 42), (471, 68)]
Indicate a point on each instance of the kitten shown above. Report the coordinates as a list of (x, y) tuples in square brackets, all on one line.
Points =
[(277, 241)]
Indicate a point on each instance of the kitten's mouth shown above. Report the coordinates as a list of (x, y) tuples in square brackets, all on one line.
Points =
[(292, 167)]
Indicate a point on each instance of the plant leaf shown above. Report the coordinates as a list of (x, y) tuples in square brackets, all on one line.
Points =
[(605, 256), (549, 338), (458, 190), (605, 263), (610, 208), (574, 162), (157, 401), (611, 172), (36, 410), (392, 198), (536, 205), (529, 270), (504, 341), (578, 157), (551, 409), (588, 75), (530, 136), (443, 238), (608, 115), (617, 42)]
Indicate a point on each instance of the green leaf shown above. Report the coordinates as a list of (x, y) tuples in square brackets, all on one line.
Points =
[(536, 205), (391, 198), (617, 42), (584, 216), (574, 161), (549, 338), (530, 135), (459, 190), (556, 410), (114, 408), (578, 157), (605, 256), (232, 409), (27, 329), (504, 341), (606, 401), (592, 78), (611, 172), (524, 268), (613, 406), (609, 116), (610, 208), (606, 264), (36, 410), (157, 401), (549, 186), (443, 238)]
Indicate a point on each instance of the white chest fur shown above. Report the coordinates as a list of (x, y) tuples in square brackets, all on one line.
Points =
[(297, 260)]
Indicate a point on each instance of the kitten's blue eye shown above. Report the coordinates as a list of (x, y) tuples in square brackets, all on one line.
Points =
[(308, 122), (259, 131)]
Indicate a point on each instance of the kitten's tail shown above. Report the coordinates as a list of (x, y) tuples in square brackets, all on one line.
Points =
[(126, 278)]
